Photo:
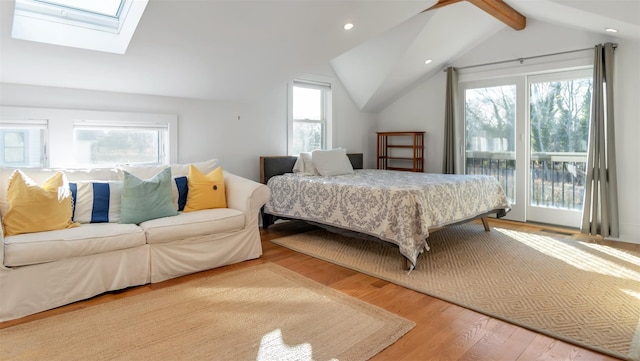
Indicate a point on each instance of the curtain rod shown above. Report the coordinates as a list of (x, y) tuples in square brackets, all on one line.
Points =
[(521, 60)]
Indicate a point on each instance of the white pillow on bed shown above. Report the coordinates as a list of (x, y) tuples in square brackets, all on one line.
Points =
[(331, 162), (304, 165)]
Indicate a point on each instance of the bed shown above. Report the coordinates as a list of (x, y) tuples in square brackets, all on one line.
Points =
[(397, 207)]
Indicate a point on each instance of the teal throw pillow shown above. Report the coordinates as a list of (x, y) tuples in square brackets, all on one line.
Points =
[(143, 200)]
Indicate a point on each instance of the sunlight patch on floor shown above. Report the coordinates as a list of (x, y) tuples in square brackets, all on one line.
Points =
[(272, 348), (615, 253), (571, 255), (633, 293)]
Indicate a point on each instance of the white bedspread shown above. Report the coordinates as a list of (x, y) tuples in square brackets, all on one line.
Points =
[(398, 207)]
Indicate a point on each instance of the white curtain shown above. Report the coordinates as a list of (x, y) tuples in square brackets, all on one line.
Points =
[(600, 213)]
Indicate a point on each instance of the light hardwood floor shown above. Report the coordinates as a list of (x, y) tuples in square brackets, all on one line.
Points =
[(443, 331)]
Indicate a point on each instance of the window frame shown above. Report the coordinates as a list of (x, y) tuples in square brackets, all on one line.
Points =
[(326, 117), (61, 122)]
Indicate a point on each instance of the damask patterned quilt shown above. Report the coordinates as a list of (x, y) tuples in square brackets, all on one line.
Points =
[(397, 207)]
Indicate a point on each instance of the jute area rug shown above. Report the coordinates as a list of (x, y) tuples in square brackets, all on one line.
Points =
[(264, 312), (582, 293)]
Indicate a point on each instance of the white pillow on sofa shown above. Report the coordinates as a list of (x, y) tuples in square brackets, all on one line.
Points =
[(332, 162)]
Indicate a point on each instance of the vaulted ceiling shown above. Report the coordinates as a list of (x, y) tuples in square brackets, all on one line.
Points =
[(235, 50)]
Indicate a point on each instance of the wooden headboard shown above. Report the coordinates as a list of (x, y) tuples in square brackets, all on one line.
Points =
[(275, 165)]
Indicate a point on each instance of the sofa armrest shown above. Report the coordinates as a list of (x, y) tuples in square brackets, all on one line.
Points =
[(245, 195)]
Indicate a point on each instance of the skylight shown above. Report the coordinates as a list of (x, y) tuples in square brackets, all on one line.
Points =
[(103, 25), (101, 7)]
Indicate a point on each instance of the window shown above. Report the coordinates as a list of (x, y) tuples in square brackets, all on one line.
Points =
[(310, 116), (105, 143), (69, 138), (105, 25), (22, 143)]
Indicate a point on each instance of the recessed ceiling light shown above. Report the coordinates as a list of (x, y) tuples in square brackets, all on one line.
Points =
[(428, 61), (611, 30), (348, 26)]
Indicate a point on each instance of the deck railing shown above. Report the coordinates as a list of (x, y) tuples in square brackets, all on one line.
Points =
[(557, 179)]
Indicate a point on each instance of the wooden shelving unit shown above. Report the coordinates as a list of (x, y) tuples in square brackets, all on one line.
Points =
[(401, 151)]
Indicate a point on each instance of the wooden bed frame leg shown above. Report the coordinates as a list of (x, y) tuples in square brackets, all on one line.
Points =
[(485, 223), (408, 266)]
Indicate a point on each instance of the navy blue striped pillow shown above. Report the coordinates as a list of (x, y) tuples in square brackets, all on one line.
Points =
[(96, 202)]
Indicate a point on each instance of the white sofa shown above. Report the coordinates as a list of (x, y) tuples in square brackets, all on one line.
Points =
[(44, 270)]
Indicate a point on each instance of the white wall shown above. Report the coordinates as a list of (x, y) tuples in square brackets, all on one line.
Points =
[(422, 108), (210, 129)]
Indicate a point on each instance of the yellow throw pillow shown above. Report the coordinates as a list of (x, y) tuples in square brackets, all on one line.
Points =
[(205, 191), (37, 209)]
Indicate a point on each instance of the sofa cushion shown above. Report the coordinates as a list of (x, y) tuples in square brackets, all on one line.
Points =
[(205, 191), (143, 200), (87, 239), (37, 209), (96, 201), (208, 222)]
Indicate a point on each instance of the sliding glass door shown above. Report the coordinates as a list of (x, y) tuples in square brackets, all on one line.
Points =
[(491, 146), (531, 132), (560, 105)]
